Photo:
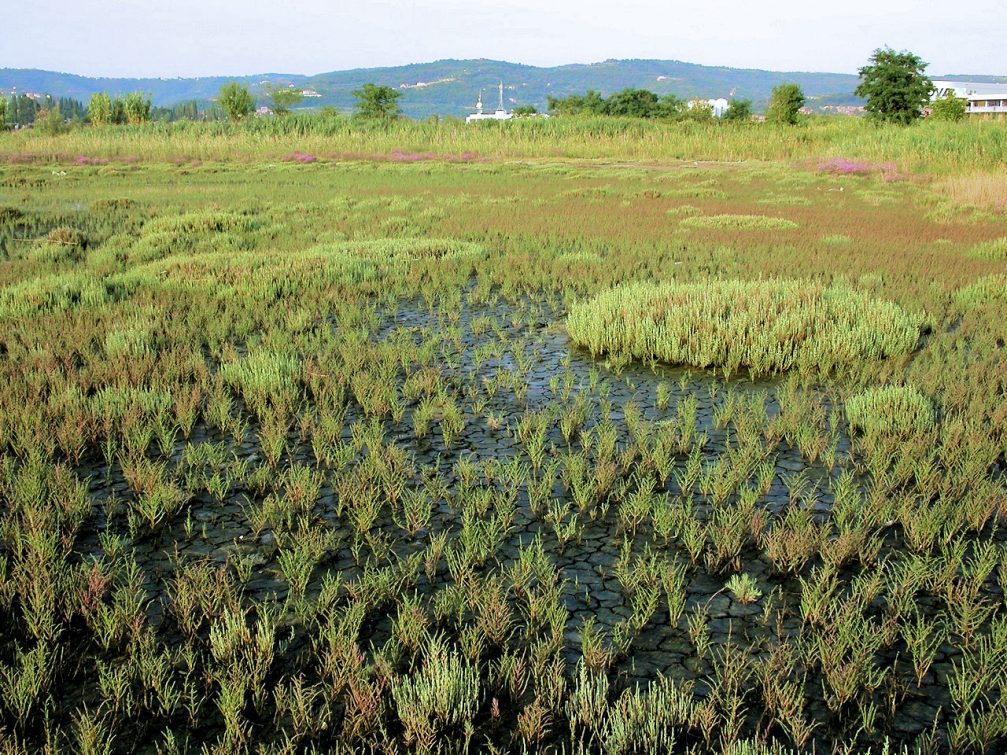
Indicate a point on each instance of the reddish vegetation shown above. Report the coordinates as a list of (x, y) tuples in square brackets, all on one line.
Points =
[(401, 156), (843, 166), (300, 157)]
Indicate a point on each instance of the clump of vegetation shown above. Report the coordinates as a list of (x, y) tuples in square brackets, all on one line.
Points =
[(994, 251), (990, 289), (766, 326), (740, 223), (897, 410)]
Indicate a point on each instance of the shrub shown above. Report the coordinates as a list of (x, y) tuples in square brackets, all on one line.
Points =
[(767, 326), (740, 223), (897, 410)]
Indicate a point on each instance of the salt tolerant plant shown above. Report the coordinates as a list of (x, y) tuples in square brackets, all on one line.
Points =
[(994, 250), (766, 326), (739, 223), (440, 699), (744, 588), (895, 410)]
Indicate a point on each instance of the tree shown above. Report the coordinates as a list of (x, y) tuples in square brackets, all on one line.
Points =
[(99, 109), (281, 99), (949, 108), (895, 86), (49, 121), (525, 110), (699, 111), (136, 106), (3, 112), (118, 111), (785, 104), (591, 103), (632, 103), (376, 102), (236, 100), (739, 111), (671, 107)]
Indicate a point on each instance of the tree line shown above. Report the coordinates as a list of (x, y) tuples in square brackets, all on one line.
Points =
[(894, 85)]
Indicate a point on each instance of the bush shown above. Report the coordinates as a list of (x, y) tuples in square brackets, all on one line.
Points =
[(949, 108), (766, 326)]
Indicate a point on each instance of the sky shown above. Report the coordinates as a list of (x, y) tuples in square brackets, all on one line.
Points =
[(140, 38)]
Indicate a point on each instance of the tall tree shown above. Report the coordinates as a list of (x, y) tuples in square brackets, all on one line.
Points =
[(118, 111), (785, 104), (137, 107), (895, 86), (235, 100), (99, 109), (281, 99), (3, 112), (376, 102)]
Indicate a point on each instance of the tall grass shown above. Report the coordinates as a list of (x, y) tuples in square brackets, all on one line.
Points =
[(941, 148)]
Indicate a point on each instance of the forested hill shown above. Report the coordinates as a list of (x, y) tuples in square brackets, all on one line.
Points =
[(449, 87)]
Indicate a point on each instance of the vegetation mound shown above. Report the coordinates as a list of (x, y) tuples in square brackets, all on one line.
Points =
[(986, 290), (895, 410), (407, 249), (994, 251), (767, 326), (740, 223)]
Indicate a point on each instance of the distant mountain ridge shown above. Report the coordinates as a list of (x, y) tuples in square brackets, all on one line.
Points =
[(450, 87)]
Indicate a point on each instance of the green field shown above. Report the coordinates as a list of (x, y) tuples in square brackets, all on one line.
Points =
[(567, 437)]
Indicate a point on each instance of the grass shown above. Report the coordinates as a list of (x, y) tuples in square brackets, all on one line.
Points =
[(945, 148), (302, 454)]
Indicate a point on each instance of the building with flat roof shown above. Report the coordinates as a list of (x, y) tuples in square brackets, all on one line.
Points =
[(982, 98)]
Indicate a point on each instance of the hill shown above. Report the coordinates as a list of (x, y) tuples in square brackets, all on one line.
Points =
[(449, 87)]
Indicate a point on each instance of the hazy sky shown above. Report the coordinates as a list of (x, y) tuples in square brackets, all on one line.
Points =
[(230, 37)]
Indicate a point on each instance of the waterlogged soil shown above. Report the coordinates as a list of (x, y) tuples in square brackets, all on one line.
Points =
[(216, 529)]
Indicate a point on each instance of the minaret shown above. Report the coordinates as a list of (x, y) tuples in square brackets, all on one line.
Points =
[(501, 96)]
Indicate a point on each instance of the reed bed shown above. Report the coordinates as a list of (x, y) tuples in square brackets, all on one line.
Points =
[(945, 148)]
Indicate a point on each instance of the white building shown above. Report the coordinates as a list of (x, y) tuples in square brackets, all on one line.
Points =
[(982, 98), (718, 106), (500, 114)]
